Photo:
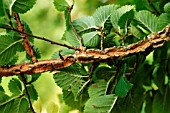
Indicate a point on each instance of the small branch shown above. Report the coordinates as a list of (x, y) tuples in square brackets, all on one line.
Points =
[(91, 71), (145, 46), (27, 46), (26, 91), (135, 65), (42, 38), (74, 30), (102, 38), (122, 37), (10, 22)]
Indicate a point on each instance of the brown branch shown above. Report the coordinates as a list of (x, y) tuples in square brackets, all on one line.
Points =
[(102, 38), (153, 41), (42, 38), (26, 91), (27, 45), (74, 30)]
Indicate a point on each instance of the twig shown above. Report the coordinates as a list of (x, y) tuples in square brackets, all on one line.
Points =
[(73, 28), (91, 71), (26, 91), (27, 46), (42, 38), (10, 22), (102, 38), (135, 65), (145, 46)]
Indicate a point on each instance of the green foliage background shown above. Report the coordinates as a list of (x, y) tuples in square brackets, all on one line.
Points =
[(44, 20)]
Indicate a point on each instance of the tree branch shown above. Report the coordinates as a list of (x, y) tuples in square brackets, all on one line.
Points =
[(153, 41), (42, 38), (27, 46), (73, 28), (26, 91)]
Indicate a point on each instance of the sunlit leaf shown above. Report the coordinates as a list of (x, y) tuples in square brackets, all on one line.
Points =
[(163, 20), (91, 39), (103, 13), (115, 16), (100, 104), (147, 20), (123, 87), (167, 7), (71, 38), (8, 48), (84, 23), (61, 5)]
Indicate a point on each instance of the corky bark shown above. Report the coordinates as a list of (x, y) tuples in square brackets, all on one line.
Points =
[(153, 41)]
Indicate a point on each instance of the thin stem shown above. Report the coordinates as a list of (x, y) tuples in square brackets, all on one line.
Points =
[(42, 38), (26, 91), (91, 71), (102, 38), (73, 28)]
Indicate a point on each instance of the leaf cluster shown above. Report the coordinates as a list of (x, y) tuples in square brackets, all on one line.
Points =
[(139, 83)]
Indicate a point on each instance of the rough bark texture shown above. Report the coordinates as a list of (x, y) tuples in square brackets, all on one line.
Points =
[(153, 41)]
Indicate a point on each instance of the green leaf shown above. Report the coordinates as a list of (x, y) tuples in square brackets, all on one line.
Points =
[(135, 31), (161, 102), (91, 39), (32, 92), (22, 6), (71, 38), (77, 87), (2, 12), (84, 23), (68, 76), (116, 15), (35, 77), (4, 98), (61, 5), (122, 87), (98, 89), (103, 13), (147, 20), (1, 89), (4, 22), (63, 52), (15, 86), (167, 7), (104, 72), (100, 104), (68, 97), (163, 20), (19, 6), (8, 48), (19, 105), (125, 20)]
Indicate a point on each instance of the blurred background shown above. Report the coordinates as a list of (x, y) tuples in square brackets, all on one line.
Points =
[(45, 21)]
